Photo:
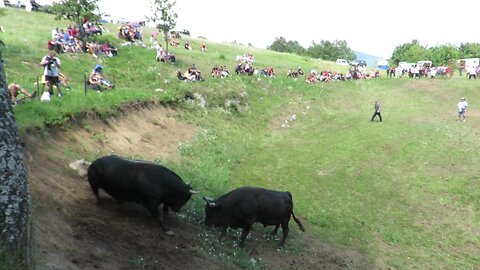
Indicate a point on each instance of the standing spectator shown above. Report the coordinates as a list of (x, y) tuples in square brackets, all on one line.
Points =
[(203, 48), (462, 109), (377, 111), (51, 65), (472, 73)]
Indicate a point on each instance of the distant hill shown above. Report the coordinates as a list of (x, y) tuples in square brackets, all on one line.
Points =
[(371, 59)]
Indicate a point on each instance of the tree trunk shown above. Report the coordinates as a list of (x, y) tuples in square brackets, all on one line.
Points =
[(165, 35), (15, 229)]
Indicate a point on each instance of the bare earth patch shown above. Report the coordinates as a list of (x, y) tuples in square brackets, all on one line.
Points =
[(73, 232)]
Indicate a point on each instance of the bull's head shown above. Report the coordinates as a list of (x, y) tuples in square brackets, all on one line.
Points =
[(213, 213)]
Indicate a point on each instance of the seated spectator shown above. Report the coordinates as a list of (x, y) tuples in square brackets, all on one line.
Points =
[(153, 38), (160, 53), (311, 78), (109, 50), (187, 46), (14, 90), (96, 80), (72, 31), (191, 74), (268, 72), (93, 48), (195, 72), (63, 80)]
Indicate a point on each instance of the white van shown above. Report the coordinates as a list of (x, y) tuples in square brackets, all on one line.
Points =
[(342, 62), (423, 64)]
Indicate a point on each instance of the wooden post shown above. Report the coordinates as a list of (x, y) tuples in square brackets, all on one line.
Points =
[(38, 89)]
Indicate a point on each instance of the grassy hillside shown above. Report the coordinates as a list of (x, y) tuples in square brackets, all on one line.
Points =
[(405, 192)]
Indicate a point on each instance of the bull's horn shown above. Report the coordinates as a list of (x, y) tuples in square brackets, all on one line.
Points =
[(193, 191), (209, 201)]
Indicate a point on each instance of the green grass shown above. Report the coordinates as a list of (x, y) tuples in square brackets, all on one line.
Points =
[(405, 192)]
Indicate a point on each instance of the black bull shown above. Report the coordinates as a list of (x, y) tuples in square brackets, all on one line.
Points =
[(143, 182), (244, 206)]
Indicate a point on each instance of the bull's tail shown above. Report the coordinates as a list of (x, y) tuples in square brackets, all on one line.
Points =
[(293, 215), (298, 222)]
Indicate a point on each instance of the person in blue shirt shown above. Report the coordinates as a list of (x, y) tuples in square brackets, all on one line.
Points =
[(96, 79)]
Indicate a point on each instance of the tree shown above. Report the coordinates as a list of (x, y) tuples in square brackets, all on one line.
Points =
[(469, 50), (331, 51), (409, 52), (443, 55), (163, 17), (15, 230), (76, 11), (282, 45)]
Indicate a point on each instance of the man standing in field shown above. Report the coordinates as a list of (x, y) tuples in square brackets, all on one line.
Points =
[(51, 65), (462, 109), (377, 111)]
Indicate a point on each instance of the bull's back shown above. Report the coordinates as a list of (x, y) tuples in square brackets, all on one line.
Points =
[(273, 207), (258, 204), (116, 176)]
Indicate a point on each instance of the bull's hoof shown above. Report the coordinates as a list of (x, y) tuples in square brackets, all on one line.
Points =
[(169, 233)]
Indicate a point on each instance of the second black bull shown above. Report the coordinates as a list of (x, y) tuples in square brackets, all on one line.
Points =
[(242, 207)]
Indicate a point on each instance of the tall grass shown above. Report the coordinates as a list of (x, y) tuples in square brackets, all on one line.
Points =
[(405, 191)]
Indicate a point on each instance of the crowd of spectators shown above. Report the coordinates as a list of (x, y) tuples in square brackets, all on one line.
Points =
[(69, 41), (131, 32), (220, 72), (419, 72)]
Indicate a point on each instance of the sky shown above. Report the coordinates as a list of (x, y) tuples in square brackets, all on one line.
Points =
[(374, 27)]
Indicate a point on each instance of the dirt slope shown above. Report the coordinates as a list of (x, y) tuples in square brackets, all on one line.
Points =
[(72, 232)]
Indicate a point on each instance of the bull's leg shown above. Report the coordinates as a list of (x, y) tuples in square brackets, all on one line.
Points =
[(95, 192), (224, 234), (285, 233), (165, 209), (245, 232), (152, 207), (276, 229)]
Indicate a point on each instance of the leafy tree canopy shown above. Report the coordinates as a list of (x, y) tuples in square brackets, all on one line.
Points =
[(282, 45), (76, 10), (331, 51)]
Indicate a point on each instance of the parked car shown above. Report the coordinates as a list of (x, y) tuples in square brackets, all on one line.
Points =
[(359, 62), (342, 62), (185, 32)]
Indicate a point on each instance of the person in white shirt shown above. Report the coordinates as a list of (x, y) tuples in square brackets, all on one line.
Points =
[(472, 72), (462, 109)]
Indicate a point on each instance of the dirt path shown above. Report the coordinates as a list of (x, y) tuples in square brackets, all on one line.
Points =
[(73, 232)]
